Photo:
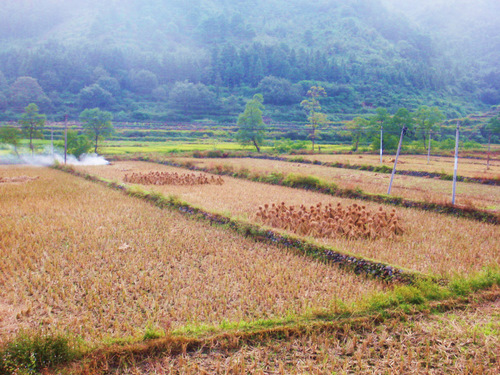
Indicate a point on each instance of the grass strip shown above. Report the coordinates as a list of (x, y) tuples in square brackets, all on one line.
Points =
[(313, 183)]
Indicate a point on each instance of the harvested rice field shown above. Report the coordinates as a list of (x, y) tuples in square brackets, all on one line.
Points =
[(457, 342), (80, 258), (431, 243), (467, 167), (414, 188)]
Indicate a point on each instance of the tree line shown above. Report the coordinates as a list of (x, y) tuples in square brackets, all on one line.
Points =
[(96, 126), (380, 130)]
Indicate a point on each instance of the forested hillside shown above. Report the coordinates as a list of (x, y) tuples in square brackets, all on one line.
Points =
[(179, 60)]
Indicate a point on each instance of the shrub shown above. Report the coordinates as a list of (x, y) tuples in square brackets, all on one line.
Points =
[(214, 154), (301, 181), (31, 353)]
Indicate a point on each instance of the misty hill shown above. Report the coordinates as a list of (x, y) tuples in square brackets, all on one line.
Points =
[(181, 60)]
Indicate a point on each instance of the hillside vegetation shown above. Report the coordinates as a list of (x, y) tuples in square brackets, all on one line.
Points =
[(173, 60)]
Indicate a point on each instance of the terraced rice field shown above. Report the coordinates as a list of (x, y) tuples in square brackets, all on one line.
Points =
[(432, 243), (467, 167), (79, 257), (414, 188)]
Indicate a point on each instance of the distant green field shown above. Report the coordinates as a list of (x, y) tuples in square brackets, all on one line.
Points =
[(128, 147), (119, 147)]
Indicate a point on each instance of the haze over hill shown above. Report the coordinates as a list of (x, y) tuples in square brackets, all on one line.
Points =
[(181, 60)]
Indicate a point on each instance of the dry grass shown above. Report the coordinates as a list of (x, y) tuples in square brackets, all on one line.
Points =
[(414, 188), (80, 257), (432, 243), (16, 179), (467, 167), (465, 342)]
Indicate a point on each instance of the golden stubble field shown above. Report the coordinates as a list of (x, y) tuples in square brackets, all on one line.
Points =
[(468, 167), (463, 342), (413, 188), (81, 257), (432, 243)]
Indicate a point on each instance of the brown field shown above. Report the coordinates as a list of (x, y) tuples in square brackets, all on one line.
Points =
[(464, 342), (413, 188), (431, 243), (467, 167), (82, 258)]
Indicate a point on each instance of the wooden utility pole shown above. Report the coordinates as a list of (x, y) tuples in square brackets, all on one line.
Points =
[(403, 131)]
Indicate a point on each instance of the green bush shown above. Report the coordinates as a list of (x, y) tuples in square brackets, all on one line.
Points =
[(301, 181), (29, 354)]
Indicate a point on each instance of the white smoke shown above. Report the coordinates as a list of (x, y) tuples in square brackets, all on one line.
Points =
[(49, 157)]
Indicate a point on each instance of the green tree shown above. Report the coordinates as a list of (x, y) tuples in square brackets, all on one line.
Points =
[(427, 119), (192, 97), (143, 81), (278, 91), (78, 144), (316, 119), (95, 95), (402, 118), (250, 123), (97, 124), (32, 124), (26, 90), (11, 136), (355, 129), (492, 127)]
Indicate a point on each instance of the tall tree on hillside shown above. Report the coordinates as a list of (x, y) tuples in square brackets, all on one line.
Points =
[(427, 119), (492, 128), (97, 124), (26, 90), (355, 130), (250, 123), (32, 124), (316, 119)]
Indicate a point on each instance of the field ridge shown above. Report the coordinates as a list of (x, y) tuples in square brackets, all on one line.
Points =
[(103, 360)]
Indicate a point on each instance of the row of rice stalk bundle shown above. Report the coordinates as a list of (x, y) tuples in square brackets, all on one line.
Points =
[(354, 221), (172, 178)]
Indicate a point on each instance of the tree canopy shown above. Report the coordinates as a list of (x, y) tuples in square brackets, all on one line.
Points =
[(11, 136), (312, 106), (251, 127), (97, 124), (427, 119), (32, 124)]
